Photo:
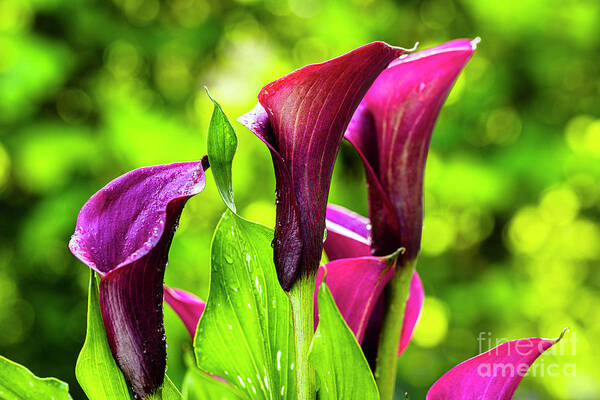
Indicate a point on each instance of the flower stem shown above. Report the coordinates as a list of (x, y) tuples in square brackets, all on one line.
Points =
[(302, 298), (396, 295)]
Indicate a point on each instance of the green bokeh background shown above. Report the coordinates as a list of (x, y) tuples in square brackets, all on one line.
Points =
[(511, 244)]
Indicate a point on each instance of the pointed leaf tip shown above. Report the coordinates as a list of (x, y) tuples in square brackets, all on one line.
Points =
[(222, 144)]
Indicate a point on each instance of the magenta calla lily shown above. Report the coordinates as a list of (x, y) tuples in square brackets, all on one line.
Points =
[(493, 375), (356, 285), (348, 235), (302, 118), (124, 232), (188, 307), (414, 305), (391, 130)]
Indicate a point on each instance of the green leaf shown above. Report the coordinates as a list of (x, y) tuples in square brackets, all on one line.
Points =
[(341, 367), (221, 147), (96, 370), (245, 333), (198, 385), (19, 383), (168, 391)]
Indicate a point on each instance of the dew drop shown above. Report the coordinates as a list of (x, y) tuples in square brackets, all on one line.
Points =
[(279, 360)]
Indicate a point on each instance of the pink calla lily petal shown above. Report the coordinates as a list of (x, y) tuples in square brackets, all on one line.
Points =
[(356, 285), (414, 305), (188, 306), (493, 375), (347, 234), (302, 117), (348, 238), (391, 130), (124, 232)]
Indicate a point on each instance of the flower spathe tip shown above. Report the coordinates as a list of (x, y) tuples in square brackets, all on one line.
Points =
[(562, 334), (456, 46)]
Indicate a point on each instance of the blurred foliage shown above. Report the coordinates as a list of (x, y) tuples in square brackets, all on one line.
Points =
[(91, 89)]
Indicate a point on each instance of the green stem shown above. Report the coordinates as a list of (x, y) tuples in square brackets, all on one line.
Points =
[(396, 295), (302, 298)]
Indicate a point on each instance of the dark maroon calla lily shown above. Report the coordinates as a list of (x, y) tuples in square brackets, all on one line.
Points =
[(348, 235), (189, 307), (302, 118), (124, 232), (493, 375), (391, 130)]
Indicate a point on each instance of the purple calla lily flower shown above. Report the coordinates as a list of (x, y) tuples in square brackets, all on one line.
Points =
[(348, 236), (391, 130), (302, 118), (493, 375), (124, 232), (188, 306)]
